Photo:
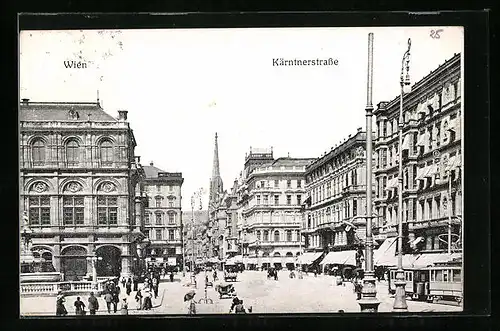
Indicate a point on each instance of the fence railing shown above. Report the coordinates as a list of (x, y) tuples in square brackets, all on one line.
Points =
[(53, 288)]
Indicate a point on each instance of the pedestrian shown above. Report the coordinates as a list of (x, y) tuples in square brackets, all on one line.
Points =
[(138, 299), (116, 299), (135, 281), (117, 289), (93, 304), (215, 275), (129, 286), (108, 297), (123, 281), (60, 308), (79, 307), (124, 307), (147, 299), (171, 277), (191, 306)]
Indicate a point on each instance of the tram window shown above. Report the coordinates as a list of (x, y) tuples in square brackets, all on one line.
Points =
[(438, 276), (457, 275), (445, 276), (433, 275)]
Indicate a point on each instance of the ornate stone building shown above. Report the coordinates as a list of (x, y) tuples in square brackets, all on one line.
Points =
[(80, 185), (336, 200), (432, 166), (269, 216), (163, 216)]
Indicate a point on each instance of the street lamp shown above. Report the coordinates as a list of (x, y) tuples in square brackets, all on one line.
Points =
[(369, 302), (196, 195), (400, 297), (93, 259)]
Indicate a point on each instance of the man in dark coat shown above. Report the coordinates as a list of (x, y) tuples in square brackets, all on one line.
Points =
[(129, 286), (135, 281), (116, 299), (60, 308), (93, 304), (79, 307)]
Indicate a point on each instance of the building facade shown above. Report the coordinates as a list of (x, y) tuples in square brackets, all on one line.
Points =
[(431, 154), (81, 188), (336, 197), (163, 216), (269, 200)]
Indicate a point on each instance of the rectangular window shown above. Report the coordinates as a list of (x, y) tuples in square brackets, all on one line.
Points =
[(354, 207), (158, 235), (107, 210), (158, 219), (39, 210), (289, 184), (171, 235), (171, 218), (354, 177), (72, 210), (289, 235), (299, 183), (288, 199), (262, 184), (276, 183), (276, 199), (258, 199), (299, 199), (158, 203), (457, 275), (146, 218), (158, 188), (266, 200)]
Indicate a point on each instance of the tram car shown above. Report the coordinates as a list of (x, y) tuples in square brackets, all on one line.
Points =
[(431, 284)]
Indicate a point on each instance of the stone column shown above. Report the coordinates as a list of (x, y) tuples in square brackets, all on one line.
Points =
[(56, 259)]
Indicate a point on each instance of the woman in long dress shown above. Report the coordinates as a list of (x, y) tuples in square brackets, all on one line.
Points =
[(124, 307)]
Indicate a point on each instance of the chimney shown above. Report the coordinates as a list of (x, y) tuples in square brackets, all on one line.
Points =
[(151, 163), (122, 115), (25, 101)]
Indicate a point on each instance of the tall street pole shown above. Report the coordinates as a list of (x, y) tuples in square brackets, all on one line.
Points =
[(369, 302), (449, 212), (192, 240), (400, 297)]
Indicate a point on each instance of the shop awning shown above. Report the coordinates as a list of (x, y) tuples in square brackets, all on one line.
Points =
[(392, 183), (341, 257), (238, 259), (309, 257), (387, 247), (386, 255), (406, 142), (429, 259)]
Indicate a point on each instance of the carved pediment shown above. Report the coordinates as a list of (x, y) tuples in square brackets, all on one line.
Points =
[(73, 187), (107, 187), (39, 187)]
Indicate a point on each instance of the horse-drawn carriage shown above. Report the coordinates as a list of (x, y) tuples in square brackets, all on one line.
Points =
[(225, 290)]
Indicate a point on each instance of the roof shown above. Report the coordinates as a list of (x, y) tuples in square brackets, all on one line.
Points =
[(287, 161), (59, 111), (151, 171)]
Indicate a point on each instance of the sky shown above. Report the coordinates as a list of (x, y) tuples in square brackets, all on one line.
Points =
[(181, 86)]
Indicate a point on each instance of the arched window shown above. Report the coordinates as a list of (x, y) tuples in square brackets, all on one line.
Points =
[(266, 235), (258, 234), (72, 152), (171, 218), (106, 150), (38, 152), (146, 218), (276, 236), (289, 235), (158, 218)]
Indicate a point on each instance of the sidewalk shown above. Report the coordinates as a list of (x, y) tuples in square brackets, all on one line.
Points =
[(46, 306)]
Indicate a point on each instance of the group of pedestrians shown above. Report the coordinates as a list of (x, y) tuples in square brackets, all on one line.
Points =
[(143, 297)]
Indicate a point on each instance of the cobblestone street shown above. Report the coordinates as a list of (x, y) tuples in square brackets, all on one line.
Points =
[(308, 295)]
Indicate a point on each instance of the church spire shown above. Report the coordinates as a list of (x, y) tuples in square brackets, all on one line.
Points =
[(216, 187)]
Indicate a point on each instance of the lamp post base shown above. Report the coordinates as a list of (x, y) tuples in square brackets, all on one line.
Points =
[(369, 302), (400, 305)]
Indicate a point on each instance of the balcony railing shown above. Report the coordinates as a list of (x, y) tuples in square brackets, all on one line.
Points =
[(42, 288)]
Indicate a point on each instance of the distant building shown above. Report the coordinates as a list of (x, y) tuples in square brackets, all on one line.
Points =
[(195, 239), (336, 191), (163, 216), (269, 202), (432, 159), (80, 186)]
